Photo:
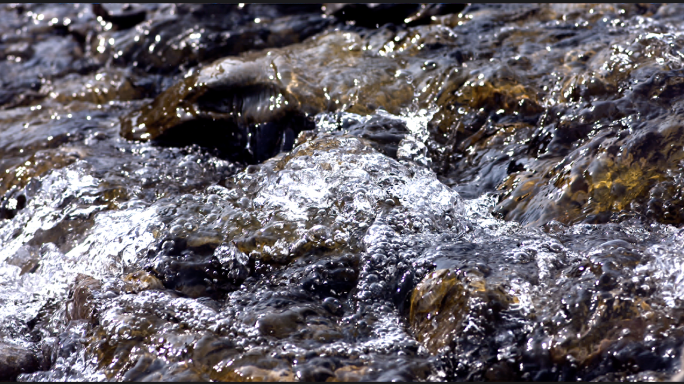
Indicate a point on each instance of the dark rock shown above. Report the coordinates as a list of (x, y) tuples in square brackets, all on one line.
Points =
[(129, 17), (373, 15), (15, 360)]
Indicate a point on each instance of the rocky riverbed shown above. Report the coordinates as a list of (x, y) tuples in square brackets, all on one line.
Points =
[(345, 192)]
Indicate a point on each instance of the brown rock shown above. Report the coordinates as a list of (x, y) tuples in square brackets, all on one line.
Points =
[(81, 304), (440, 303), (141, 281)]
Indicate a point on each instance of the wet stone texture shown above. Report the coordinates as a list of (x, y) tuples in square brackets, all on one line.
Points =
[(340, 192)]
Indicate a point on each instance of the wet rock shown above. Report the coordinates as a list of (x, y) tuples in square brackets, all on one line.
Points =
[(148, 368), (22, 50), (280, 324), (268, 95), (81, 305), (97, 88), (384, 131), (236, 106), (121, 329), (331, 278), (360, 242), (620, 311), (11, 204), (38, 164), (128, 16), (250, 373), (678, 377), (54, 57), (551, 163), (26, 258), (343, 201), (197, 272), (15, 359), (140, 281), (190, 34), (598, 193), (428, 13), (441, 302), (303, 300), (371, 15)]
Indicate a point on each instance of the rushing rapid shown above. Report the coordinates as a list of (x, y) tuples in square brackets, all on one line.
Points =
[(341, 192)]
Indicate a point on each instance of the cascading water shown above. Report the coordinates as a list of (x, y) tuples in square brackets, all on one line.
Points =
[(341, 192)]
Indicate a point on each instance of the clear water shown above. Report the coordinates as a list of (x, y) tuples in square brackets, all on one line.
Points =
[(270, 193)]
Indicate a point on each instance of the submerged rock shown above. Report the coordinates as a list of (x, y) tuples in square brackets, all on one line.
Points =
[(440, 304), (340, 192), (268, 95), (554, 311), (15, 360)]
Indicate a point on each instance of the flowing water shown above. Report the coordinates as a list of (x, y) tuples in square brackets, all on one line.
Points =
[(341, 192)]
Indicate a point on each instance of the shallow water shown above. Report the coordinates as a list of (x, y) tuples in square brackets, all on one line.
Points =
[(341, 192)]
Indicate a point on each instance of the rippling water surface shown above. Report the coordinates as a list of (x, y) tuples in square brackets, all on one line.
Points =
[(341, 192)]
